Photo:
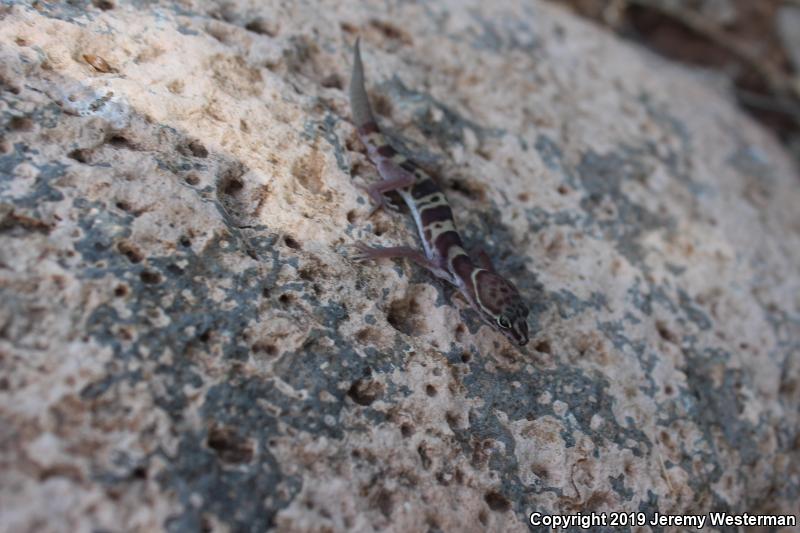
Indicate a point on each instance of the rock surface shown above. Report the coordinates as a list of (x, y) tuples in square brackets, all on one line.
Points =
[(185, 345)]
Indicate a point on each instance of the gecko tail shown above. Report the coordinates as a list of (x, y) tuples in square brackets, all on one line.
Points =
[(359, 102)]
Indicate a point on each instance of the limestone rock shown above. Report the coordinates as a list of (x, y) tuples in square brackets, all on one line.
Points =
[(185, 343)]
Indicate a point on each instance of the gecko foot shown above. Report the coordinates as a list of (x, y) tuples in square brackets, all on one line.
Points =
[(378, 200), (362, 253)]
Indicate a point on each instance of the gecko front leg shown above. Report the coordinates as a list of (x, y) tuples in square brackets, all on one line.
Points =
[(365, 252), (483, 260)]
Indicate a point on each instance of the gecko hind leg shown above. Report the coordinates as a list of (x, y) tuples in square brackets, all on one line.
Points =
[(378, 199), (394, 178)]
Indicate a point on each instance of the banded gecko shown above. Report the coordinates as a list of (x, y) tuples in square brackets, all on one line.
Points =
[(496, 300)]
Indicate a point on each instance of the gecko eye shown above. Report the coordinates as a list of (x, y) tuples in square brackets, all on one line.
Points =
[(503, 322)]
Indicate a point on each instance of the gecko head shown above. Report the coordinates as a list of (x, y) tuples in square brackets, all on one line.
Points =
[(502, 306)]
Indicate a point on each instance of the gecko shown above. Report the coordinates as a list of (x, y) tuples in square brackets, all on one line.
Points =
[(495, 298)]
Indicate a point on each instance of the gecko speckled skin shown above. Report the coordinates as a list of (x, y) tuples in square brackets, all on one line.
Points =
[(491, 295)]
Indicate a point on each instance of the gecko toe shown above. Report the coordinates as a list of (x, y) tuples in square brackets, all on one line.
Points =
[(361, 253), (378, 201)]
